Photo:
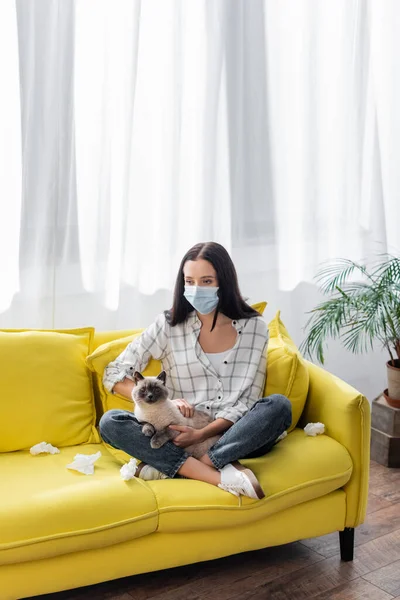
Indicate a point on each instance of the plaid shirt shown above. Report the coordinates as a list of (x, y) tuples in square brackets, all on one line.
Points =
[(190, 375)]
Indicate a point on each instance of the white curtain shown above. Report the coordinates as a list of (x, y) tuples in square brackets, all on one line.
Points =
[(381, 175), (151, 139), (10, 157), (270, 126)]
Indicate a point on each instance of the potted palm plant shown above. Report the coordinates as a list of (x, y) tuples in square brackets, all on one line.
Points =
[(363, 309)]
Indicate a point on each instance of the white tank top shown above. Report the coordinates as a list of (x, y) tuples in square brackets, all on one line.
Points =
[(217, 358)]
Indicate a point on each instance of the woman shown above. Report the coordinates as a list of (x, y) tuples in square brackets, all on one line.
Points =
[(212, 345)]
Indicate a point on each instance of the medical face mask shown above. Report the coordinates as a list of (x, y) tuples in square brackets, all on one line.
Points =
[(203, 299)]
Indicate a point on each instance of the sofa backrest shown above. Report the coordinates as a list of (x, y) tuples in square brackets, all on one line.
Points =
[(102, 337)]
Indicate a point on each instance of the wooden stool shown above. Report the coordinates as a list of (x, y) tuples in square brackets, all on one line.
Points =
[(385, 433)]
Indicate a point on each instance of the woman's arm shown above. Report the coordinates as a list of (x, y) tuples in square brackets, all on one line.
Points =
[(189, 435), (124, 388), (215, 427), (152, 342)]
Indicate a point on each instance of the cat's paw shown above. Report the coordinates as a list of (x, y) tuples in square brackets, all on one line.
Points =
[(156, 442), (148, 430)]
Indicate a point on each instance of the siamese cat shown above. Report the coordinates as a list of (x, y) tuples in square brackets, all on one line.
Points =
[(156, 411)]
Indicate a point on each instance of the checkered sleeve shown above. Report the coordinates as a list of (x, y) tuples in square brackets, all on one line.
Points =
[(152, 343), (233, 413), (239, 403)]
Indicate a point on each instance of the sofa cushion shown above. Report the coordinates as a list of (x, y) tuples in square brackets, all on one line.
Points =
[(110, 349), (298, 468), (45, 388), (49, 510), (104, 337), (287, 372)]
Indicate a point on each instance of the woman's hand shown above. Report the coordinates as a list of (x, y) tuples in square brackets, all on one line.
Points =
[(186, 409), (187, 436)]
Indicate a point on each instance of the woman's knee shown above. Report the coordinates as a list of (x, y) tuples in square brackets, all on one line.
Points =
[(281, 407), (284, 408), (107, 421)]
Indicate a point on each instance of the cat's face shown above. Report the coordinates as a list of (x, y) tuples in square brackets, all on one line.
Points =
[(149, 389)]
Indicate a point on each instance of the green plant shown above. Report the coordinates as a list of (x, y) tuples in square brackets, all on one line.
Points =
[(359, 313)]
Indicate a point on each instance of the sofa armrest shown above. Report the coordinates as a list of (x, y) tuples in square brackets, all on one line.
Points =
[(346, 415)]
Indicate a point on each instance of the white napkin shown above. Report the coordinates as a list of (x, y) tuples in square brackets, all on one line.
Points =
[(128, 471), (43, 448), (84, 463), (314, 429)]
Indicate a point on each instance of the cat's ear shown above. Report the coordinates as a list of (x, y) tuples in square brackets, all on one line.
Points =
[(162, 376), (138, 376)]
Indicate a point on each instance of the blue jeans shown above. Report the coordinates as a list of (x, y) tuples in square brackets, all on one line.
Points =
[(253, 435)]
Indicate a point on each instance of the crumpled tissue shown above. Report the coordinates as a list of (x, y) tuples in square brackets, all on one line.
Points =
[(128, 471), (44, 448), (84, 463), (314, 429)]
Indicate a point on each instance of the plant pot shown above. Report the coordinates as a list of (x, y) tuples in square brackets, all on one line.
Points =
[(390, 401), (393, 376)]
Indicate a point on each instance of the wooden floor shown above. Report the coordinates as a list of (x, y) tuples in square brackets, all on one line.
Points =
[(302, 570)]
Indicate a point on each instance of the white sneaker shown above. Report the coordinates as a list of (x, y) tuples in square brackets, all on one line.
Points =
[(238, 480), (148, 472)]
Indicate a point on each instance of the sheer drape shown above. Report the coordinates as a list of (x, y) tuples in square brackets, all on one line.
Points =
[(269, 126), (151, 139), (316, 54), (48, 227), (10, 156), (381, 174)]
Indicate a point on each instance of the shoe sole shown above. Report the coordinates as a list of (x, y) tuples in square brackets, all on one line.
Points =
[(253, 479), (139, 468)]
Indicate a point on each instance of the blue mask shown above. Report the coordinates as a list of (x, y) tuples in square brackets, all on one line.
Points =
[(203, 299)]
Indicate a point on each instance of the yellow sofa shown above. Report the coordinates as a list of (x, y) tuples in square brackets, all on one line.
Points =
[(60, 529)]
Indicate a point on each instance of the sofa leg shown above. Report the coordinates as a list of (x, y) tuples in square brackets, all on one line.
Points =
[(347, 543)]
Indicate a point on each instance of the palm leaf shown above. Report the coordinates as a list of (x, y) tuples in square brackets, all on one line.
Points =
[(327, 320), (336, 275), (359, 312), (388, 271), (362, 331)]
